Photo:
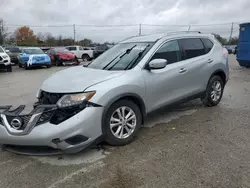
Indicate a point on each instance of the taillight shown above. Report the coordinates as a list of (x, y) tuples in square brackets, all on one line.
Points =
[(225, 52)]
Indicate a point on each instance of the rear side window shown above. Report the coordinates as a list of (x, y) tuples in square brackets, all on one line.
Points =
[(169, 51), (208, 44), (71, 48), (192, 47)]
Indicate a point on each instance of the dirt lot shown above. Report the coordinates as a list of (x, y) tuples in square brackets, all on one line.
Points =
[(186, 146)]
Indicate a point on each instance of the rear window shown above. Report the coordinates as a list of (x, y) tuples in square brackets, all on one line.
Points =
[(208, 44), (192, 47)]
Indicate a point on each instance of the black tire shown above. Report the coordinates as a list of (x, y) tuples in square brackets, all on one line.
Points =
[(85, 57), (9, 68), (26, 66), (58, 63), (48, 66), (20, 65), (207, 98), (109, 136)]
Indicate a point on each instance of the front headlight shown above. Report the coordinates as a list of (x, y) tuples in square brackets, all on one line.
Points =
[(74, 99), (5, 56)]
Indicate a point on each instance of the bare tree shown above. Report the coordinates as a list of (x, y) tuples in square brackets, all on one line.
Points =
[(3, 32)]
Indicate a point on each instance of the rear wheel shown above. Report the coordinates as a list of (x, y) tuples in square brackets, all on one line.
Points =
[(214, 91), (122, 122), (85, 57), (48, 66)]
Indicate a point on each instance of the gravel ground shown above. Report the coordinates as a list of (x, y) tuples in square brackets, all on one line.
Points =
[(185, 146)]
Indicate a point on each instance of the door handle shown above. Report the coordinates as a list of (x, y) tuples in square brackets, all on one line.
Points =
[(210, 61), (182, 70)]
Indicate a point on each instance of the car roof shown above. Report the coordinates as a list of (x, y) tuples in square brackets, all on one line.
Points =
[(31, 48), (158, 36)]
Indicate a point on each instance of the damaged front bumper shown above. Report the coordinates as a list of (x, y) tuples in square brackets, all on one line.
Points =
[(64, 130)]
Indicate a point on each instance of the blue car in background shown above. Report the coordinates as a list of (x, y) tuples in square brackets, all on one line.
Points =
[(33, 57)]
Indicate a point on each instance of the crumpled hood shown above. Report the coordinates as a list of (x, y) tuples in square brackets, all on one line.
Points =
[(77, 79)]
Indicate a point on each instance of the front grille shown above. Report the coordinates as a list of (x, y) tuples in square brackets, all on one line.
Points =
[(49, 98), (25, 120)]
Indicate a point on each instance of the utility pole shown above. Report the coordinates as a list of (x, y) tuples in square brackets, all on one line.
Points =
[(74, 30), (231, 33), (140, 30)]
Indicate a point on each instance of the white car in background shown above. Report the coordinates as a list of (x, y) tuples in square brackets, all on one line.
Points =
[(83, 53), (5, 60)]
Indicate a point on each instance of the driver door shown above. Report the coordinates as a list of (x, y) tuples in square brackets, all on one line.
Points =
[(167, 85)]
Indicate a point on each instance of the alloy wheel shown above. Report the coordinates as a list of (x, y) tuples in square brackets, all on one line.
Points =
[(216, 91), (123, 122)]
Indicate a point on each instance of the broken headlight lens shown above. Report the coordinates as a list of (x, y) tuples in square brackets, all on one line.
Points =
[(74, 99)]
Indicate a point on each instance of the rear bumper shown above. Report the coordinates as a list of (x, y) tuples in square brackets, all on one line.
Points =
[(73, 134)]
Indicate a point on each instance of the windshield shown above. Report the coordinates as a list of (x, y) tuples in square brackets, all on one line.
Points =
[(1, 49), (13, 50), (33, 51), (121, 57)]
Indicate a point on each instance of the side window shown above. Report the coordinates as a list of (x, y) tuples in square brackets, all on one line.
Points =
[(169, 51), (71, 48), (208, 44), (192, 47), (80, 48)]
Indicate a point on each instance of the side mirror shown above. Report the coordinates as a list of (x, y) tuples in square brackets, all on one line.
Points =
[(7, 51), (157, 64)]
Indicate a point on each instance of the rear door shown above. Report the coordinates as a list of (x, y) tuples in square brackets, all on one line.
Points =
[(74, 50), (197, 63)]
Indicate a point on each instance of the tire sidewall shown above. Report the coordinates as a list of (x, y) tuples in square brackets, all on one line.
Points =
[(109, 137), (209, 90), (85, 56)]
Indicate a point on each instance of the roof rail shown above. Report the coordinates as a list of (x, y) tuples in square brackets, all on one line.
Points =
[(176, 32)]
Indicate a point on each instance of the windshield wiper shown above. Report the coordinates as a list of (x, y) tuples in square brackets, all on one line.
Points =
[(120, 56), (131, 64)]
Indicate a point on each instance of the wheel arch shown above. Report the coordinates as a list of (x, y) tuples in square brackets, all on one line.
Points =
[(126, 96), (221, 74), (85, 54)]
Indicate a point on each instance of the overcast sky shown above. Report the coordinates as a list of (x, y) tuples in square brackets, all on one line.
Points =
[(123, 12)]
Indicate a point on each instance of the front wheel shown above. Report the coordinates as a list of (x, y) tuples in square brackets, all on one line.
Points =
[(9, 68), (85, 57), (214, 91), (48, 66), (122, 122)]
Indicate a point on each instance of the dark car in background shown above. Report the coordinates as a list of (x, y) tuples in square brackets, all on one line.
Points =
[(45, 49), (61, 56), (13, 52), (99, 50)]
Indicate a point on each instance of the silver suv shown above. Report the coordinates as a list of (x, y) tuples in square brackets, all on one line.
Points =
[(109, 99)]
